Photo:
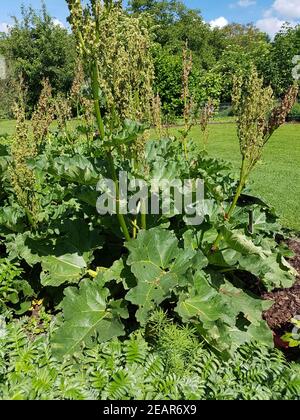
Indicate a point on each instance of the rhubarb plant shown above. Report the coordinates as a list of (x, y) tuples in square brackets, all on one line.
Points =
[(103, 275), (258, 117)]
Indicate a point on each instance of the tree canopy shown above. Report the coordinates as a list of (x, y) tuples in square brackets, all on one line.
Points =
[(38, 48)]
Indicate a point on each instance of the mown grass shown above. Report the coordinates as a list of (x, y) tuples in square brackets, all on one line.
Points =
[(7, 127), (277, 176)]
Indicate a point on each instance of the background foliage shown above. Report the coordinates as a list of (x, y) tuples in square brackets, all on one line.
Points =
[(37, 48), (217, 53)]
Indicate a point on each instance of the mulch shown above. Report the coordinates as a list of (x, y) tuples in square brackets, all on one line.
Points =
[(286, 301)]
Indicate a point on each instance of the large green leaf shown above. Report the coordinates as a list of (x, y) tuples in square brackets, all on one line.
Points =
[(263, 261), (240, 243), (164, 150), (128, 134), (225, 315), (274, 271), (68, 268), (159, 266), (205, 305), (262, 222), (79, 236), (64, 258), (238, 302), (87, 314), (77, 169), (11, 219), (118, 272)]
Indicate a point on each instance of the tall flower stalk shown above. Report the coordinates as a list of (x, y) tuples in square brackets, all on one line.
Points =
[(157, 119), (24, 146), (43, 115), (206, 114), (109, 156), (116, 49), (86, 26), (188, 103), (258, 118)]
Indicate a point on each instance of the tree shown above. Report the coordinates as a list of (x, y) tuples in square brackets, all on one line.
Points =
[(285, 47), (243, 46), (7, 96), (174, 25), (246, 36), (163, 14), (38, 49), (221, 52), (168, 81)]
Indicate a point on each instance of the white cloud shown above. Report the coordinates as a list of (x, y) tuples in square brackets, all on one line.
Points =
[(246, 3), (57, 22), (4, 27), (289, 9), (280, 12), (220, 22), (242, 3), (271, 25)]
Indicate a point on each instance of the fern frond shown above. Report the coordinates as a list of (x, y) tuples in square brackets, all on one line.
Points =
[(154, 366), (136, 349), (119, 387)]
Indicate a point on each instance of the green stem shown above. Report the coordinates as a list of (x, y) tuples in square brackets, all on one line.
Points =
[(243, 178), (185, 147), (30, 219), (96, 96), (235, 200), (120, 216), (134, 231), (143, 217), (110, 160)]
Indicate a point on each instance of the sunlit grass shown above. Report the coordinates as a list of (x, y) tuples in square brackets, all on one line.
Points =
[(276, 178)]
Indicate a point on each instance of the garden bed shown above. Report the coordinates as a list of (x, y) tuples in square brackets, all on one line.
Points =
[(286, 301)]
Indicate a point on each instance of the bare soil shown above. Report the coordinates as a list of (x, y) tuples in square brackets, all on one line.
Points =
[(286, 301)]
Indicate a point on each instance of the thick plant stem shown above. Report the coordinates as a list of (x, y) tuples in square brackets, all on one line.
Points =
[(30, 219), (134, 230), (96, 96), (110, 160), (143, 217), (120, 216), (239, 190), (185, 148), (243, 178), (143, 210)]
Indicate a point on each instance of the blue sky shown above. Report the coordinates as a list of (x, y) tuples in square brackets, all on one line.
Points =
[(268, 15)]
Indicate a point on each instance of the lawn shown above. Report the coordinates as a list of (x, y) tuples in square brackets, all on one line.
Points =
[(276, 178), (7, 127)]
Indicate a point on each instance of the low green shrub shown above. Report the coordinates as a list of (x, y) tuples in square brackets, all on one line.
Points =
[(171, 364), (225, 111), (294, 115), (14, 290)]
